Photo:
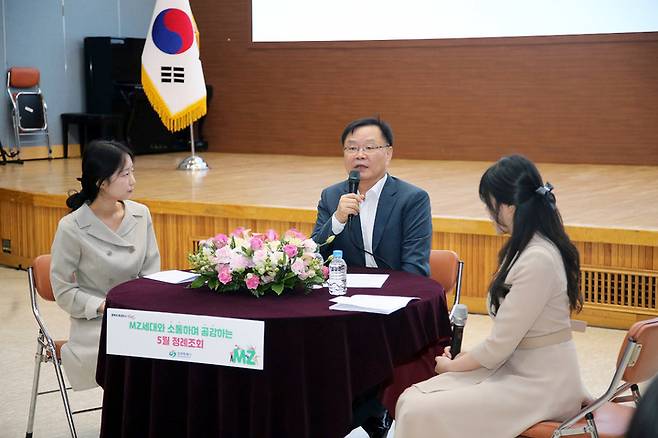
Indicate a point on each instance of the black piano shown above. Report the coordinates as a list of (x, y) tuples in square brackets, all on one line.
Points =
[(116, 106)]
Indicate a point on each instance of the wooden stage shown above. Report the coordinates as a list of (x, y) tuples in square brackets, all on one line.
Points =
[(611, 213)]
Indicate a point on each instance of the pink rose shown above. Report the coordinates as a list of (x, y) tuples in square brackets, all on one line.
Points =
[(238, 232), (271, 235), (325, 272), (224, 274), (290, 250), (220, 239), (256, 243), (298, 267), (252, 281), (294, 233)]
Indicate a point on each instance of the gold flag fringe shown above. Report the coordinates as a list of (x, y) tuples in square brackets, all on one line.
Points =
[(173, 122)]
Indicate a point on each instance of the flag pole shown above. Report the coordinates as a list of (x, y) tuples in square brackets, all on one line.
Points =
[(172, 75), (193, 162), (192, 137)]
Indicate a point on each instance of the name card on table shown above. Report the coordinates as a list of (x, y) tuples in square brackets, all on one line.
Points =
[(213, 340)]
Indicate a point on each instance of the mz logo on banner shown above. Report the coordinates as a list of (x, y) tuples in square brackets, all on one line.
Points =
[(244, 356)]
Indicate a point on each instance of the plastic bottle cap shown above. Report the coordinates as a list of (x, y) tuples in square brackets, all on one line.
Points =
[(338, 253)]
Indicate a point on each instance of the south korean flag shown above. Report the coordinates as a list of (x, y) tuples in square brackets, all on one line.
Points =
[(172, 76)]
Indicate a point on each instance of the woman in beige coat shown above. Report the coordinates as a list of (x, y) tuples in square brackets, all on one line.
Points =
[(526, 370), (104, 241)]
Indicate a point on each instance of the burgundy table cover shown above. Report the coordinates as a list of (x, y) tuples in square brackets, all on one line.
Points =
[(316, 361)]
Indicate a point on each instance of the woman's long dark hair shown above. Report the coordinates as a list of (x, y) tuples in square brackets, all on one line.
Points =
[(515, 181), (101, 160)]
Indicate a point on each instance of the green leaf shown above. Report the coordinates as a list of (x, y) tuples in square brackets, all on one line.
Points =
[(198, 282), (213, 283), (230, 287), (278, 288)]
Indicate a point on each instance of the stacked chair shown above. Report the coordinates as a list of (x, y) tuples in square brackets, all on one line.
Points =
[(28, 106)]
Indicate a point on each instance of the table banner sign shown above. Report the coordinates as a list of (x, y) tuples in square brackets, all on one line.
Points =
[(213, 340)]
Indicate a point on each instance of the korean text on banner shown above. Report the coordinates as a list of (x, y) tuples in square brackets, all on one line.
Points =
[(187, 338)]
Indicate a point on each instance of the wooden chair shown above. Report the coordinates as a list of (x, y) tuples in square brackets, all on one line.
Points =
[(39, 281), (605, 417)]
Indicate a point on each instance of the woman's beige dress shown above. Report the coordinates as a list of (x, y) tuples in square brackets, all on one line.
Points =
[(89, 259), (516, 387)]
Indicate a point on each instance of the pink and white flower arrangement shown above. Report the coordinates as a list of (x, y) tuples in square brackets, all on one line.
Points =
[(258, 262)]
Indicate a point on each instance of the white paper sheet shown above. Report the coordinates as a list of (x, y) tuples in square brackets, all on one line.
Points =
[(370, 303), (366, 280), (360, 280), (174, 276)]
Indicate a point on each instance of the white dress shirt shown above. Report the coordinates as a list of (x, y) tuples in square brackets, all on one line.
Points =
[(367, 213)]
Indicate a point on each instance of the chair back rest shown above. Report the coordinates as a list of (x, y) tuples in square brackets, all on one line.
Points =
[(444, 267), (23, 77), (41, 272), (644, 363), (31, 111)]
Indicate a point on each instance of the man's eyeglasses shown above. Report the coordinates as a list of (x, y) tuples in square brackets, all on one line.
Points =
[(352, 149)]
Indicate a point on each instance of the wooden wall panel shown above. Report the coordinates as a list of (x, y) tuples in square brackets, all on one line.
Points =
[(576, 99), (30, 223), (619, 255), (30, 229)]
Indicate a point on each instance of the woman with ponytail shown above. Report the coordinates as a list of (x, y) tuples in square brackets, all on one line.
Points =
[(105, 240), (526, 370)]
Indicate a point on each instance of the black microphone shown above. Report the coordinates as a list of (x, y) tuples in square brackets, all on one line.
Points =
[(458, 317), (353, 186), (353, 181)]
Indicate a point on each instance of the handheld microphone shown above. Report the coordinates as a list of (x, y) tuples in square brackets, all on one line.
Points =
[(353, 181), (458, 318), (353, 186)]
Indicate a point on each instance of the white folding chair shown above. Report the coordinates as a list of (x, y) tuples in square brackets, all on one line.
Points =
[(29, 109)]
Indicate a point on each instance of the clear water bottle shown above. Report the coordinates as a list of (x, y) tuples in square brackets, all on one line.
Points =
[(337, 274)]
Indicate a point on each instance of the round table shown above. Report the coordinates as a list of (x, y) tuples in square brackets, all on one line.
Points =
[(316, 361)]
